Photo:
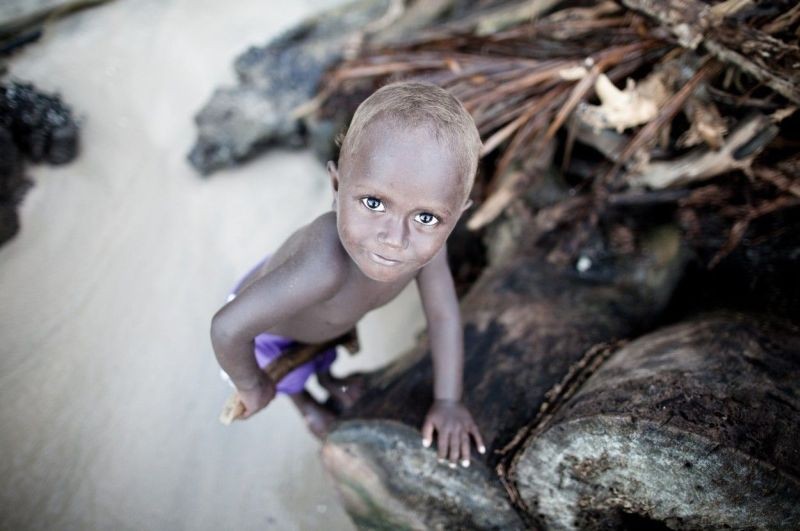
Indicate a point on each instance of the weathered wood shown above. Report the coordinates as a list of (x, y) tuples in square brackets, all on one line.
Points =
[(274, 81), (705, 124), (500, 16), (20, 15), (526, 323), (695, 426), (624, 109), (407, 20), (388, 480)]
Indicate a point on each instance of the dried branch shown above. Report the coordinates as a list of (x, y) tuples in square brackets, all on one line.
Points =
[(648, 133), (704, 164), (523, 83), (739, 228), (755, 52)]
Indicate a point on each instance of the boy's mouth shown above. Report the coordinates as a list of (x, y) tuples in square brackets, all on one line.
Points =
[(382, 260)]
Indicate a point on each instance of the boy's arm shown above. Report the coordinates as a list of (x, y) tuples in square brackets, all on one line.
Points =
[(299, 282), (448, 417)]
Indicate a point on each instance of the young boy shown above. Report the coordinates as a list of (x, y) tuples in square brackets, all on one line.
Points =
[(405, 171)]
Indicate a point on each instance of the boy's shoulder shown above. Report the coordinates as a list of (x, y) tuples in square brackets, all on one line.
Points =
[(319, 246), (322, 235)]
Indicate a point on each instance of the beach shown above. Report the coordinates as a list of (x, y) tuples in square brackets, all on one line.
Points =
[(109, 390)]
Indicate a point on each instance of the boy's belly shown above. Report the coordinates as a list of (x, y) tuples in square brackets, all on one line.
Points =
[(313, 333), (319, 324)]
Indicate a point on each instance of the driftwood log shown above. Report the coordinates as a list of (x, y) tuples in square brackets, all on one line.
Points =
[(274, 82), (695, 426), (24, 21), (529, 327)]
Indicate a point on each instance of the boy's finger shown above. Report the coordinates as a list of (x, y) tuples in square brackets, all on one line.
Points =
[(464, 449), (243, 410), (427, 433), (478, 439), (442, 443), (455, 446)]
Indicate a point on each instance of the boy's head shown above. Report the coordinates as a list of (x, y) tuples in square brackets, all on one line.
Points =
[(418, 105), (406, 168)]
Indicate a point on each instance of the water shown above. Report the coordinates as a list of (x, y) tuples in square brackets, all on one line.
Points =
[(109, 392)]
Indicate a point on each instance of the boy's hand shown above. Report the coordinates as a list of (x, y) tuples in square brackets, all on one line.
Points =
[(256, 398), (453, 425)]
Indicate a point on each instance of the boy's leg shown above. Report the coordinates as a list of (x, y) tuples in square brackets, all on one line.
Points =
[(319, 419), (344, 391)]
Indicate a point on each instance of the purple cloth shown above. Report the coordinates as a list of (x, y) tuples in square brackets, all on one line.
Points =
[(268, 347)]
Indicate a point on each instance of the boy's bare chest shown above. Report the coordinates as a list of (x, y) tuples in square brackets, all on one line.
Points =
[(340, 313), (336, 316), (356, 299)]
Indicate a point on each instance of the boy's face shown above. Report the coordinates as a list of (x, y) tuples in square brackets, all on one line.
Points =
[(397, 199)]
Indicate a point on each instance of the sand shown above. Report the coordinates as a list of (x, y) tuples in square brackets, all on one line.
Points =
[(109, 392)]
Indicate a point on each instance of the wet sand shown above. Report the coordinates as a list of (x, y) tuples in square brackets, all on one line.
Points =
[(109, 392)]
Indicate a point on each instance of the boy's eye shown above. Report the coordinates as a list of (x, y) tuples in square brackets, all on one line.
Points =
[(373, 203), (426, 218)]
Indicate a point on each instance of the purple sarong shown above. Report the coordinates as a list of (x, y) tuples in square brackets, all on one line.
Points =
[(268, 347)]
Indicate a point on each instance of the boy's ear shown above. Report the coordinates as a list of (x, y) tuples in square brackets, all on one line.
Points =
[(333, 173), (467, 204)]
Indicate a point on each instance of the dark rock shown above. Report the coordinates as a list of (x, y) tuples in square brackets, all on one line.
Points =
[(33, 125), (40, 124), (13, 185)]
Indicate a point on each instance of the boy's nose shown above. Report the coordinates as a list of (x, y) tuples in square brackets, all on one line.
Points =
[(393, 234)]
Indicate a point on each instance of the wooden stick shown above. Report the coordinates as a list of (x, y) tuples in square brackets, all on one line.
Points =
[(291, 359)]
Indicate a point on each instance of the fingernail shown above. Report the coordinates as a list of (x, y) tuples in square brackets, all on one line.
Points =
[(426, 443), (482, 449), (465, 463), (451, 464)]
